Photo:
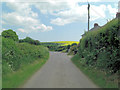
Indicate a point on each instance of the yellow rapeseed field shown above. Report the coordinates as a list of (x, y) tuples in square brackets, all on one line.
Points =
[(64, 43)]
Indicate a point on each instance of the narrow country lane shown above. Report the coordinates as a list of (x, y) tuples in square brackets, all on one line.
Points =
[(59, 72)]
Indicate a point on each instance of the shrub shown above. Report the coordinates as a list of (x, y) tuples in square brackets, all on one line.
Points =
[(73, 50), (74, 44), (14, 55)]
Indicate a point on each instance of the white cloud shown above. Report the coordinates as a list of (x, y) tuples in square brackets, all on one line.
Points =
[(70, 11), (112, 10), (59, 0), (44, 27), (23, 18), (61, 21), (65, 12), (1, 30), (78, 13), (50, 7), (98, 12), (21, 30)]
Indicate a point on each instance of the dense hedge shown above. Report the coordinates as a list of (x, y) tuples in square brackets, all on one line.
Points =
[(101, 48), (14, 54)]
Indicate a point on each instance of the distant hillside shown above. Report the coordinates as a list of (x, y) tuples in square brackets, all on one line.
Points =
[(60, 46)]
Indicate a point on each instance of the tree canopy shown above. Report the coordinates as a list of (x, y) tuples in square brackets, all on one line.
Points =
[(10, 34), (30, 40)]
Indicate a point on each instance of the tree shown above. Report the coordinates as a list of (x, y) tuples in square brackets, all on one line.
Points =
[(74, 44), (36, 42), (10, 34), (68, 46), (30, 40)]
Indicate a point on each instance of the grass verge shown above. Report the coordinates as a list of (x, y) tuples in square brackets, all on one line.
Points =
[(100, 78), (16, 79)]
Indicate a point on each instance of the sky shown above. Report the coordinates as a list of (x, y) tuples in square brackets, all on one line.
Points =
[(54, 20)]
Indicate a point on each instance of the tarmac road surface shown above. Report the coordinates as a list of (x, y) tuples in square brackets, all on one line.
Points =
[(59, 72)]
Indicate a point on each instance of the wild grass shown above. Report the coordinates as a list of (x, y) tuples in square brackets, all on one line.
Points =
[(18, 78), (100, 78)]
